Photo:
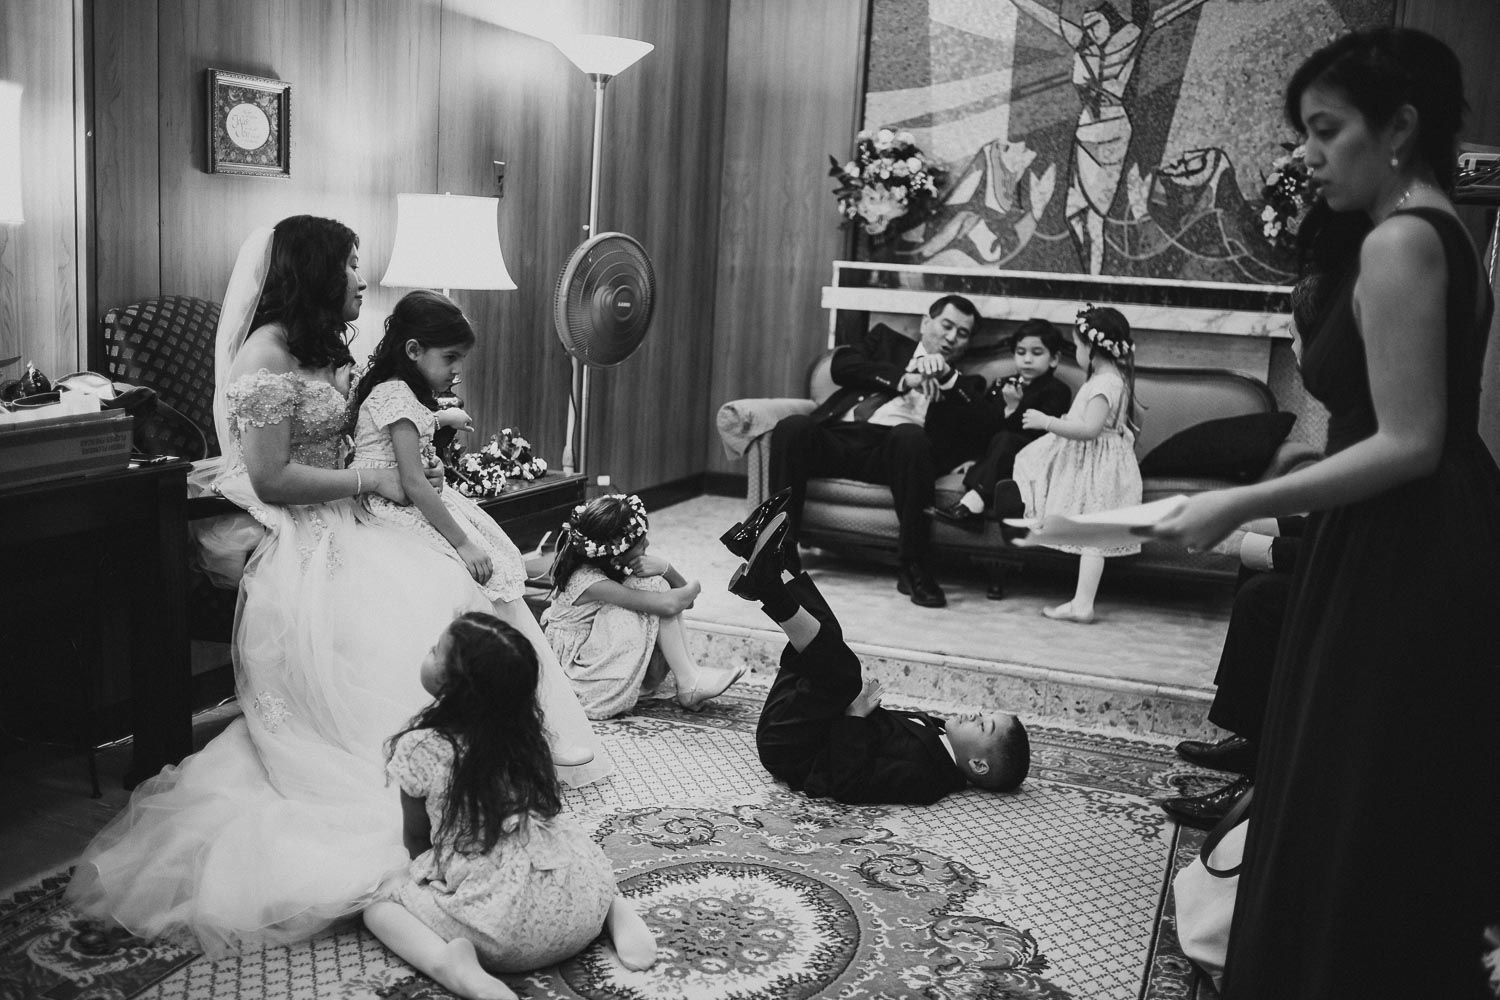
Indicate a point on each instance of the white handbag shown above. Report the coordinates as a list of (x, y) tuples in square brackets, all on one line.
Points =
[(1205, 891)]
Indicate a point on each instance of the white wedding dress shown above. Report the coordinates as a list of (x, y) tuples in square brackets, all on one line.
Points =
[(284, 823)]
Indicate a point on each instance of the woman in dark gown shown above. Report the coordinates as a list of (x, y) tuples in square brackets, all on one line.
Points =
[(1371, 862)]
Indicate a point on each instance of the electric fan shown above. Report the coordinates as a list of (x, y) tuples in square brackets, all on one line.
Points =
[(602, 309)]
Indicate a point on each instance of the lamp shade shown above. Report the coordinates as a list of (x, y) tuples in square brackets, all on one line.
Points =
[(602, 54), (447, 241), (10, 152)]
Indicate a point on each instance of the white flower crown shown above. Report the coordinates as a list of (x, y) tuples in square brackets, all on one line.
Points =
[(629, 535), (1117, 348)]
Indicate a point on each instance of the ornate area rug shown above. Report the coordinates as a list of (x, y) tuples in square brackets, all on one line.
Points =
[(758, 893)]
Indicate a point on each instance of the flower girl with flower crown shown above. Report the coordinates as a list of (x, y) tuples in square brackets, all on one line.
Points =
[(1085, 462), (616, 613)]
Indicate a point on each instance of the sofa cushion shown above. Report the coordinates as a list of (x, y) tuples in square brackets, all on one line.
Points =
[(1234, 448)]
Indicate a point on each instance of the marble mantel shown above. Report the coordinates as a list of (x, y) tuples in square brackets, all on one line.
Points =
[(1177, 323)]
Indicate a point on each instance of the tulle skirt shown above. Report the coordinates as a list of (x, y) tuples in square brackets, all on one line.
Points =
[(284, 823)]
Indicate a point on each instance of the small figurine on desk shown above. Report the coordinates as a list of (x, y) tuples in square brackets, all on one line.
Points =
[(31, 383)]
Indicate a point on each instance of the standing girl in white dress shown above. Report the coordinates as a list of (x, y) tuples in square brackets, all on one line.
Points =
[(427, 337), (501, 880), (616, 612), (1085, 463)]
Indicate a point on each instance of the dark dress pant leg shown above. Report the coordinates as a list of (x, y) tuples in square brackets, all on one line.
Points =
[(802, 448), (812, 688), (903, 460), (998, 463), (1249, 655)]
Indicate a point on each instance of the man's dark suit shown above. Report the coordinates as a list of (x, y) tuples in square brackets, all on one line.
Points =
[(1004, 436), (904, 457), (806, 740)]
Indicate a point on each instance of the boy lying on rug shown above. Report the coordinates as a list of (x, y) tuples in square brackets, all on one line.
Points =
[(823, 730)]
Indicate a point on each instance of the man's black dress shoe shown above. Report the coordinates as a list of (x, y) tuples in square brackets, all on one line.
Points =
[(1205, 811), (740, 539), (914, 580), (761, 573), (1232, 753), (960, 517)]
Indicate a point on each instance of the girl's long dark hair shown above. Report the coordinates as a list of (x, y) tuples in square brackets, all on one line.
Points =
[(306, 287), (602, 518), (488, 712), (432, 320)]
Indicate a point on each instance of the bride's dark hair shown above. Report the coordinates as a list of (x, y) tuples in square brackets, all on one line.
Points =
[(488, 712), (305, 289)]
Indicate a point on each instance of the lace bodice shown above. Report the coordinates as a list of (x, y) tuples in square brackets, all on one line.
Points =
[(388, 403), (317, 410)]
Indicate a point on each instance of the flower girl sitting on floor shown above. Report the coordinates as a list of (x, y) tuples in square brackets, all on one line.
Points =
[(500, 880), (616, 613)]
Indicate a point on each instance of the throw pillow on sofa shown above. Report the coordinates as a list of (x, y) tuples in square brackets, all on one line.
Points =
[(1233, 448)]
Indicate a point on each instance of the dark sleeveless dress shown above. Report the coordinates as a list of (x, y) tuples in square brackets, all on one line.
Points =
[(1371, 862)]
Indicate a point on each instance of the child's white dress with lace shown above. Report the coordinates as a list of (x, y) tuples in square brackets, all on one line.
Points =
[(393, 401)]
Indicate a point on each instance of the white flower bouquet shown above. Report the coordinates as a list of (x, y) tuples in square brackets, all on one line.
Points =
[(1288, 196), (889, 185)]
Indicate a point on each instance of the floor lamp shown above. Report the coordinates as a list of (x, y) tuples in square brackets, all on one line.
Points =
[(602, 57)]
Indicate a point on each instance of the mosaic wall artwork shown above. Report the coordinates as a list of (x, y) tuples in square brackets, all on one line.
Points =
[(1113, 137)]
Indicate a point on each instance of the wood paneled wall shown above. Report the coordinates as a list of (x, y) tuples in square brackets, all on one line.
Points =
[(422, 96), (794, 78), (39, 258)]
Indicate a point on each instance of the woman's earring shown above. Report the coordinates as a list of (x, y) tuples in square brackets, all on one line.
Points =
[(1395, 161)]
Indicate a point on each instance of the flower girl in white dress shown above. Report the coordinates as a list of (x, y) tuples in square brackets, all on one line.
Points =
[(283, 823)]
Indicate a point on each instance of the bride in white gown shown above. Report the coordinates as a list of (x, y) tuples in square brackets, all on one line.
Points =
[(284, 823)]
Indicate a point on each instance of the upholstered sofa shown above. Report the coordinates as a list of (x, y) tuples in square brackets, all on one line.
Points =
[(844, 514)]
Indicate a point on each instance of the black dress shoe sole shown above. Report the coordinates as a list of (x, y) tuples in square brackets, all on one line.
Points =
[(741, 583), (736, 539)]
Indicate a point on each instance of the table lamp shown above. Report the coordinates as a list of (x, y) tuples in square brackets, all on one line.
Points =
[(447, 241)]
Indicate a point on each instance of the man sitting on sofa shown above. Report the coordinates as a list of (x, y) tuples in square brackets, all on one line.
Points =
[(892, 421)]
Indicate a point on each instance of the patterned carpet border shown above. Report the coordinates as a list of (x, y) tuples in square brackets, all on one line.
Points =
[(754, 892)]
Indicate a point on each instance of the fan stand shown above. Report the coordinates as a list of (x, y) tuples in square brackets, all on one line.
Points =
[(578, 415)]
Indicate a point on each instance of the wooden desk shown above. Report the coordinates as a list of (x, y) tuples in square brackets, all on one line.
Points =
[(135, 520), (528, 510)]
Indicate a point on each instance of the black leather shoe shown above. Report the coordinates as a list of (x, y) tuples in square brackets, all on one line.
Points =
[(1232, 753), (757, 577), (1007, 500), (1205, 811), (914, 580), (960, 517), (740, 539)]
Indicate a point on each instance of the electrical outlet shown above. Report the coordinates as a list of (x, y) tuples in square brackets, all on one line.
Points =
[(602, 481)]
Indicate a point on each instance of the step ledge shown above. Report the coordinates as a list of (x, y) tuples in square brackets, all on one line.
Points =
[(1020, 670)]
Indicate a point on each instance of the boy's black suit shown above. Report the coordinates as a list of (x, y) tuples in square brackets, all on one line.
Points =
[(806, 740), (1003, 436)]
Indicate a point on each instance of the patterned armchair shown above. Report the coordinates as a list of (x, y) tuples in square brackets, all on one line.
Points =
[(168, 345)]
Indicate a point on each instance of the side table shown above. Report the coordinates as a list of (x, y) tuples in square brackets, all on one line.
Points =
[(121, 535), (528, 510)]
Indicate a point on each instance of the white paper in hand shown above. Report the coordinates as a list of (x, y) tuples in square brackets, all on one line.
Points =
[(1105, 530)]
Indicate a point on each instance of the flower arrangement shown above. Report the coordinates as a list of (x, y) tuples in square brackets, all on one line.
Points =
[(888, 179), (1288, 196), (484, 473)]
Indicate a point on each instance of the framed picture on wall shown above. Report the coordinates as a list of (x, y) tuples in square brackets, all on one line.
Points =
[(249, 125)]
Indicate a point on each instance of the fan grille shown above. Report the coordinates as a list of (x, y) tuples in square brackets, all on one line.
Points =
[(605, 297)]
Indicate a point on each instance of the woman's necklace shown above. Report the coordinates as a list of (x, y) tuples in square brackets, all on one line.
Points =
[(1411, 190)]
